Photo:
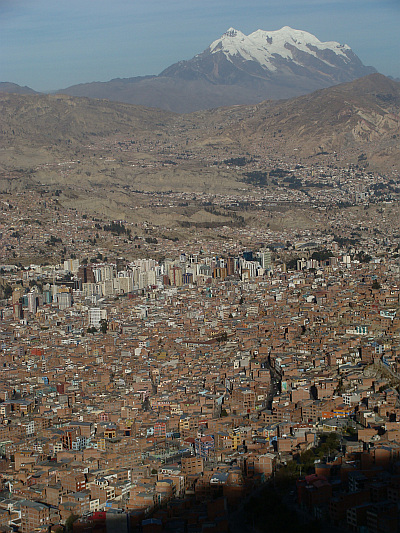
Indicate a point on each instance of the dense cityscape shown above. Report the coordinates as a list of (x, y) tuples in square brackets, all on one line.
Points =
[(199, 269), (157, 383)]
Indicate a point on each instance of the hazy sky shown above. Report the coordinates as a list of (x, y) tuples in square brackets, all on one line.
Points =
[(51, 44)]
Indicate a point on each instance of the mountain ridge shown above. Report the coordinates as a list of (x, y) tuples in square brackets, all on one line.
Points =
[(100, 154), (237, 69), (14, 88), (269, 54), (360, 116)]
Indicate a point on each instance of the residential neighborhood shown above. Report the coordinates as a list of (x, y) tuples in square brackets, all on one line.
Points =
[(160, 394)]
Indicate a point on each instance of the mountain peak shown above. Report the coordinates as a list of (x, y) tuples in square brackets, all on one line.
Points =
[(240, 69), (8, 87), (231, 32), (264, 46)]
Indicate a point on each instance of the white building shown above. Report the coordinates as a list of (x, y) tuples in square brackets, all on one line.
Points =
[(96, 315)]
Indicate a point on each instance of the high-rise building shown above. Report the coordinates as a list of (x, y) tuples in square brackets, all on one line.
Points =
[(230, 266), (71, 265), (32, 302), (85, 274), (266, 258), (17, 310), (96, 315), (175, 276), (64, 299), (17, 294)]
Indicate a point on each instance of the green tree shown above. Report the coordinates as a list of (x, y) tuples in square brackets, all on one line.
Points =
[(103, 325), (307, 459), (7, 291), (70, 521), (292, 264)]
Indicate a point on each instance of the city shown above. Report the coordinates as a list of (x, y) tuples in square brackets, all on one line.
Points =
[(199, 267), (158, 393)]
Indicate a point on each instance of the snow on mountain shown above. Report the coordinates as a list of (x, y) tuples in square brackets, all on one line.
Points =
[(264, 47), (239, 69)]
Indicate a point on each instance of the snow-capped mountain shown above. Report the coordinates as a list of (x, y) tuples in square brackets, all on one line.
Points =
[(238, 69), (273, 55), (268, 47)]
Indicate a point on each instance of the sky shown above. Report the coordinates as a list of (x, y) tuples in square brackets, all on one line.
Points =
[(53, 44)]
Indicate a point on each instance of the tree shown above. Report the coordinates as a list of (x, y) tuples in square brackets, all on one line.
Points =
[(321, 255), (331, 444), (70, 521), (307, 459), (7, 291), (363, 257), (292, 264), (103, 325)]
